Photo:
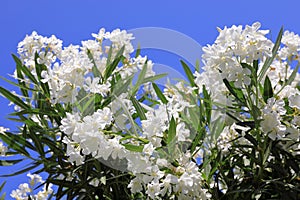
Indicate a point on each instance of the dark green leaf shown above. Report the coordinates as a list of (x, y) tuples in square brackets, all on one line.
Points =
[(172, 132), (111, 67), (32, 166), (95, 70), (26, 71), (20, 139), (9, 162), (139, 109), (188, 73), (14, 144), (13, 98), (238, 93), (255, 66), (197, 139), (37, 143), (268, 90), (207, 104), (160, 95)]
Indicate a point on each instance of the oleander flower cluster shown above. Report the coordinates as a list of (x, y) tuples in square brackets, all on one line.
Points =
[(104, 129), (26, 191)]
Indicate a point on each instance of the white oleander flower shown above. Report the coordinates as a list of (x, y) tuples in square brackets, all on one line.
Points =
[(69, 123), (292, 45), (34, 179), (272, 126), (93, 86), (294, 101), (274, 106), (153, 190), (135, 185), (25, 191)]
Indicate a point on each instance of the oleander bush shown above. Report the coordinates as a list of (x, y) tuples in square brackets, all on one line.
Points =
[(95, 120)]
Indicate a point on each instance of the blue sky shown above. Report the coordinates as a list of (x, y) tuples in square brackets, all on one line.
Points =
[(74, 20)]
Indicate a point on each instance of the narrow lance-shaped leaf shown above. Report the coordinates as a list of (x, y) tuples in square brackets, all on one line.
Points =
[(14, 144), (160, 95), (109, 55), (238, 93), (268, 90), (293, 75), (207, 104), (171, 140), (20, 76), (95, 70), (32, 166), (269, 60), (197, 139), (37, 142), (111, 67), (154, 78), (139, 109), (25, 70), (39, 68), (141, 77), (134, 148), (13, 98), (188, 72), (138, 51), (9, 162)]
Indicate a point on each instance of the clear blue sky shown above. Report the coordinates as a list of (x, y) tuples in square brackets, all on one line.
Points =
[(74, 20)]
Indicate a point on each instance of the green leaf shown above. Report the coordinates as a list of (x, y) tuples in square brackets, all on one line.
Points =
[(14, 143), (39, 68), (20, 85), (20, 76), (238, 93), (134, 148), (207, 104), (154, 78), (140, 80), (217, 127), (197, 139), (293, 75), (9, 162), (160, 95), (268, 90), (1, 188), (111, 67), (172, 131), (188, 73), (2, 185), (20, 139), (24, 69), (139, 109), (32, 166), (13, 98), (171, 140), (37, 142), (266, 153), (129, 117), (35, 111), (109, 55), (121, 86), (138, 51), (269, 60), (95, 70)]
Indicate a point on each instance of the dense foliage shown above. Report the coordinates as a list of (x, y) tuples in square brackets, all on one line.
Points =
[(93, 118)]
